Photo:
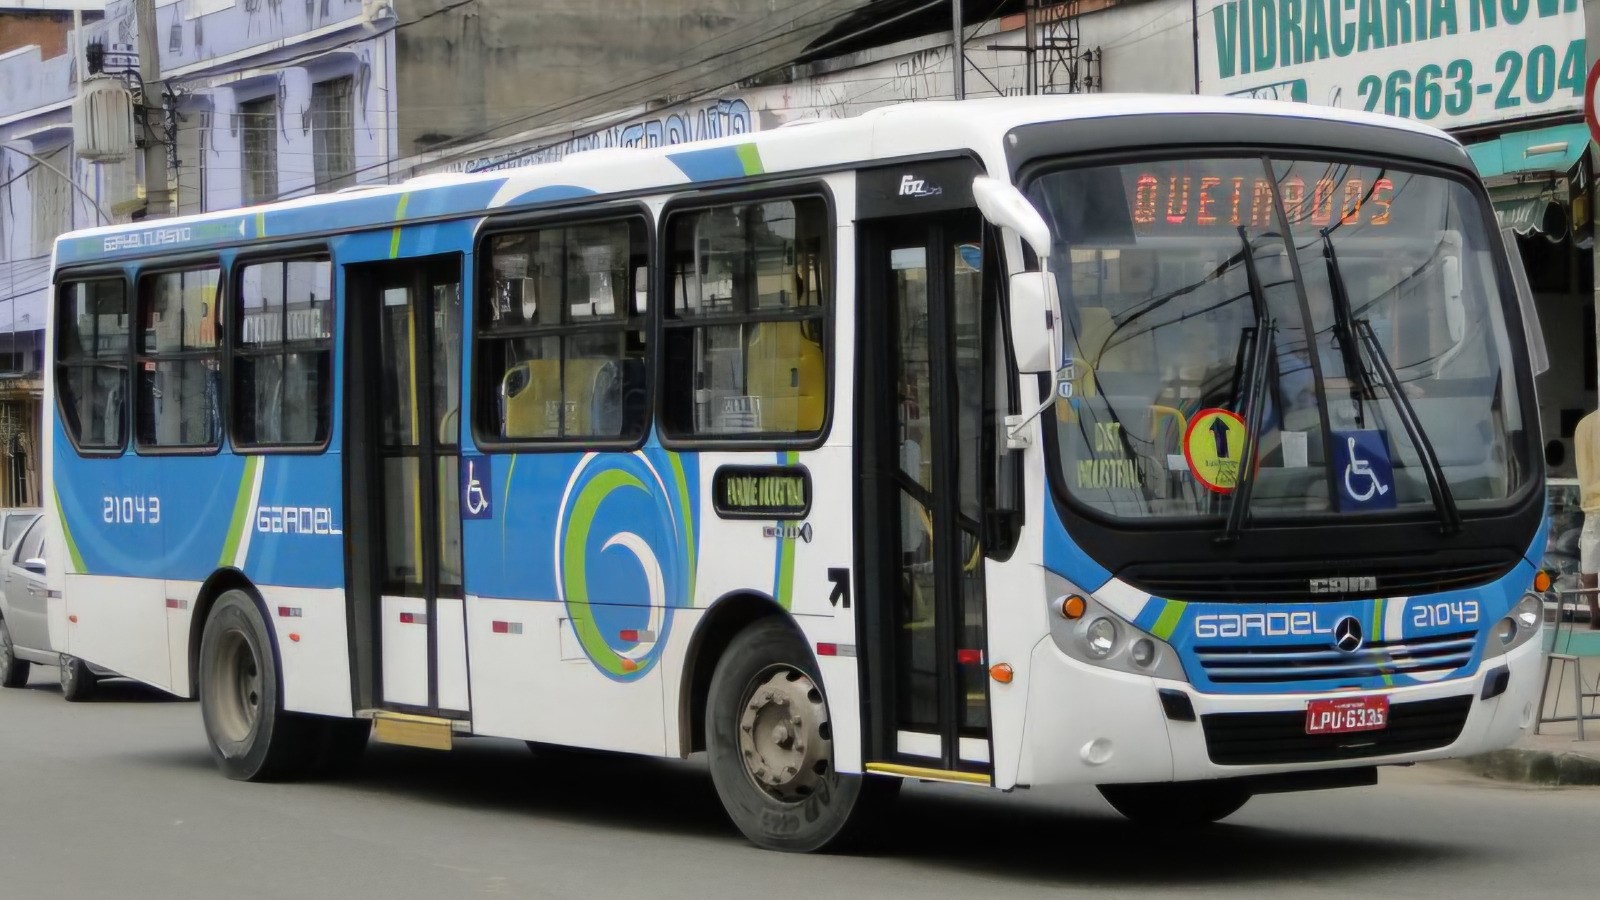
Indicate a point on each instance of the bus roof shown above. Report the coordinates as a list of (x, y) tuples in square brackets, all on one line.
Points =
[(899, 130)]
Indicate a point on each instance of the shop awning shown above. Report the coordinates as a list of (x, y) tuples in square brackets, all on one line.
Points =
[(1529, 208), (1553, 149)]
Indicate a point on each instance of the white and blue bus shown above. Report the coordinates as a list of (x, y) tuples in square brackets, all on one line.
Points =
[(1183, 447)]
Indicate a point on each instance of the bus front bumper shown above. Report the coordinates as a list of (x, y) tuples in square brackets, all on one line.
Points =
[(1097, 726)]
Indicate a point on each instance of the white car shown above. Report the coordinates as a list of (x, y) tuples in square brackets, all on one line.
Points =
[(24, 623)]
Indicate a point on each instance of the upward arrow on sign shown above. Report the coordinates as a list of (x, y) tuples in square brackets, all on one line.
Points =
[(1219, 433)]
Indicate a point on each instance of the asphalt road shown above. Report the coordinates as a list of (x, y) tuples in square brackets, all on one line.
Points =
[(119, 799)]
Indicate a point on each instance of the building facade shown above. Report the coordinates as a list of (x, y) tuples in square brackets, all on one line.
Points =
[(872, 57), (38, 200), (256, 100)]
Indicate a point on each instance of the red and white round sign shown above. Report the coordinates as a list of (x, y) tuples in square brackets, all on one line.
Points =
[(1589, 100)]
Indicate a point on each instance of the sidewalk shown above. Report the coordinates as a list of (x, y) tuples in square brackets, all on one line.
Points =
[(1555, 756)]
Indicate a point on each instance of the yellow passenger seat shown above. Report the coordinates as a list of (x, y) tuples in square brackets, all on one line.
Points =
[(786, 369), (532, 402)]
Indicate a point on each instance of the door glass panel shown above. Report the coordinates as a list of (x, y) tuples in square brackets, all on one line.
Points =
[(966, 301), (399, 400), (966, 315), (447, 363), (914, 375), (402, 525), (917, 656), (449, 484)]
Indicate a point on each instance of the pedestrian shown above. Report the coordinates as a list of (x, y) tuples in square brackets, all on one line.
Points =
[(1586, 442)]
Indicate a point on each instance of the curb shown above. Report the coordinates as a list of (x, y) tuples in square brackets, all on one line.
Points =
[(1534, 767)]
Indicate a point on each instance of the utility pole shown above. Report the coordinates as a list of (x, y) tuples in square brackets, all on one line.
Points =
[(156, 195), (1591, 24), (958, 59)]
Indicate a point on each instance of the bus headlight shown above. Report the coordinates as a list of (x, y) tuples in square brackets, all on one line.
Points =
[(1506, 630), (1143, 653), (1101, 637), (1521, 624)]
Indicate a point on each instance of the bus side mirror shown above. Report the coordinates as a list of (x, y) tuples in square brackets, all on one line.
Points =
[(1003, 205), (1033, 321)]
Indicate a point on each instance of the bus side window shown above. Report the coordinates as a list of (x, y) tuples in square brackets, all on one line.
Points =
[(283, 354), (561, 334), (92, 362), (745, 327), (178, 403)]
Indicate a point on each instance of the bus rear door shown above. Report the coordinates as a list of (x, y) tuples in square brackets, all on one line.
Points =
[(404, 398)]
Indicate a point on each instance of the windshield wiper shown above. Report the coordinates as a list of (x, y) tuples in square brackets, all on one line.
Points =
[(1443, 500), (1254, 383), (1344, 325)]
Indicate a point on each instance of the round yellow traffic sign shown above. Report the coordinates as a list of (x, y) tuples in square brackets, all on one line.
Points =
[(1212, 446)]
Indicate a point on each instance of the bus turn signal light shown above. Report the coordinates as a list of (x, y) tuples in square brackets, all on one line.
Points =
[(1002, 673), (1541, 581), (1073, 607)]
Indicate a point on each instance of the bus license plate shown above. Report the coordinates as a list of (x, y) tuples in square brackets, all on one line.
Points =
[(1344, 714)]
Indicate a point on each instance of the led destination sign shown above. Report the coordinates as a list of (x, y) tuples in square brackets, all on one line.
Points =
[(1164, 202)]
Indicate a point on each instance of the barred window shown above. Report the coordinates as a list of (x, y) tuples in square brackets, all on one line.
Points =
[(258, 127), (92, 362), (332, 138), (561, 338), (179, 361), (745, 355), (283, 354)]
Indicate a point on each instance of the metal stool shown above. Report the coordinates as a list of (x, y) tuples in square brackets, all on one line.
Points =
[(1578, 693)]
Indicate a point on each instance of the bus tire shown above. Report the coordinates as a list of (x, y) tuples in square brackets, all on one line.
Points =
[(77, 682), (13, 671), (252, 738), (769, 744), (1178, 804)]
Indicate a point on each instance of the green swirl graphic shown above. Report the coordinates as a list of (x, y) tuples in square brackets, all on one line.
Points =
[(574, 569)]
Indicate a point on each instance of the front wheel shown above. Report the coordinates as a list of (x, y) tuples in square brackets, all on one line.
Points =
[(252, 738), (1180, 804), (13, 671), (770, 745), (77, 682)]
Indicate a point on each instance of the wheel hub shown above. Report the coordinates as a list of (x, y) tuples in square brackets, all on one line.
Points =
[(236, 682), (784, 737)]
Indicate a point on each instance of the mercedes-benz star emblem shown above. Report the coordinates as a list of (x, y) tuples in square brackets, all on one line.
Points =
[(1347, 634)]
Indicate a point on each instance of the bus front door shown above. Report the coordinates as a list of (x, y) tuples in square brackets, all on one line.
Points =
[(402, 466), (921, 410)]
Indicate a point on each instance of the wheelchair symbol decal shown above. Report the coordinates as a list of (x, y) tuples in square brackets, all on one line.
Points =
[(475, 489), (1366, 475), (1361, 468)]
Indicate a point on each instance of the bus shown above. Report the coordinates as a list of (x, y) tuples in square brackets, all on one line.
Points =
[(1183, 447)]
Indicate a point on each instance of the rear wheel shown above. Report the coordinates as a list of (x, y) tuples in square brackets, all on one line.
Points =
[(1180, 804), (770, 745), (252, 738), (13, 671), (77, 682)]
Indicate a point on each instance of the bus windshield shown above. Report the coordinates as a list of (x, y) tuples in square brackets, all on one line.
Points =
[(1387, 383)]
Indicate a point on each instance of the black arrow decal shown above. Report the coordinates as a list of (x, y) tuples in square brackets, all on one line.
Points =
[(1219, 432), (841, 587)]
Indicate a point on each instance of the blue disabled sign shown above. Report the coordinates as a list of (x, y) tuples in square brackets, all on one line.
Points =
[(1362, 471), (475, 488)]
